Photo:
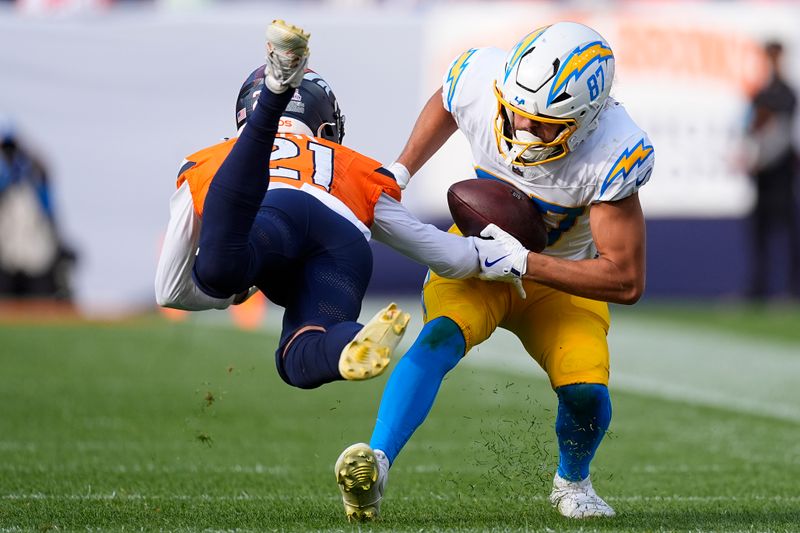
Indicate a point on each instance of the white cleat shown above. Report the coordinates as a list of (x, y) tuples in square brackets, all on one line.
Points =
[(369, 353), (287, 56), (577, 499), (361, 474)]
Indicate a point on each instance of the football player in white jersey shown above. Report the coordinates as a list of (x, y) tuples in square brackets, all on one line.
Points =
[(538, 117)]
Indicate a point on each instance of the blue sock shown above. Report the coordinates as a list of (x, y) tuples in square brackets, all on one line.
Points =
[(584, 413), (412, 387), (313, 357)]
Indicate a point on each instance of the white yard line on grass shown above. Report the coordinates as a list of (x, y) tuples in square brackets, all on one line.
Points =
[(441, 496), (135, 468), (689, 364)]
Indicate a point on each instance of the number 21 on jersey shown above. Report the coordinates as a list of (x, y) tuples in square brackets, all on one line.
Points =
[(302, 160)]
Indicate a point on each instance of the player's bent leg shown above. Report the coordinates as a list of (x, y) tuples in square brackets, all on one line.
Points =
[(406, 401), (459, 315), (316, 355), (310, 357), (361, 474), (569, 342), (225, 264), (584, 414), (323, 287), (414, 383), (369, 353)]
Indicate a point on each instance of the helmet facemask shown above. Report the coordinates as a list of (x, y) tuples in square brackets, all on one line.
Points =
[(522, 147)]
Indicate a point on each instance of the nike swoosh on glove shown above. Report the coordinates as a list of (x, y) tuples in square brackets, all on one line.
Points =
[(502, 257)]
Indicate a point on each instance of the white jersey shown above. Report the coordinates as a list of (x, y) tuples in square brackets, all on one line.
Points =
[(610, 164)]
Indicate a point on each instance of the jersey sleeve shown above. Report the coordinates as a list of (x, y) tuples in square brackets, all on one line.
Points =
[(627, 170), (174, 286), (388, 183), (447, 254), (452, 84), (467, 84), (359, 181), (198, 169)]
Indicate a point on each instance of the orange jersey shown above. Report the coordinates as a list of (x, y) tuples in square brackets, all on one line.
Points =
[(317, 166)]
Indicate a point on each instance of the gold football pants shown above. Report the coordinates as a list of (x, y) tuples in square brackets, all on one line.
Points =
[(565, 334)]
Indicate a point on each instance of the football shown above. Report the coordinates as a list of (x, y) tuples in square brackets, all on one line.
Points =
[(476, 203)]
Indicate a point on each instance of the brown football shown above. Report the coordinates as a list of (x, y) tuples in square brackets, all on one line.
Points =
[(476, 203)]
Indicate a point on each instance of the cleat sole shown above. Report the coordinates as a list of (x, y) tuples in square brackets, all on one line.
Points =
[(356, 474), (369, 353)]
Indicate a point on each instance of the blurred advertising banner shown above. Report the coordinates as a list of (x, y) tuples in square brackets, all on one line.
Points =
[(685, 72), (48, 7)]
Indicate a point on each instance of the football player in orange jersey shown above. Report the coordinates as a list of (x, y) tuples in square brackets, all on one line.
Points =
[(285, 208)]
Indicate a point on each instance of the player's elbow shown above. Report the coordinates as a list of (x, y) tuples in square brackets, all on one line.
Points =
[(170, 295), (167, 299), (629, 297), (631, 291), (162, 301), (164, 295)]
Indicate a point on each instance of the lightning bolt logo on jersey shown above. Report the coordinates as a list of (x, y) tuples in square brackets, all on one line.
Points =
[(344, 180), (455, 72), (628, 160)]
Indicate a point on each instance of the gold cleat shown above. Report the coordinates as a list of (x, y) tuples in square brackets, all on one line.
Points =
[(288, 38), (287, 56), (361, 477), (369, 353)]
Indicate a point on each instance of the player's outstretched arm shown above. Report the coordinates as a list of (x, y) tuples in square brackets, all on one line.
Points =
[(433, 127), (447, 254), (616, 275)]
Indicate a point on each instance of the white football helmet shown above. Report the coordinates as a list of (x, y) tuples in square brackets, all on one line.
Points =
[(559, 74)]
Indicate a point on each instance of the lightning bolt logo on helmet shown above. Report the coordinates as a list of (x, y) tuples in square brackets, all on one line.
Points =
[(559, 75), (579, 62), (520, 48)]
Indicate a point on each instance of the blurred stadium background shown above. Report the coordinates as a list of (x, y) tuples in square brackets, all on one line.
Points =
[(113, 94)]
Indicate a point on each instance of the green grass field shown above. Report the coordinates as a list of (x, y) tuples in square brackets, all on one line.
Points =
[(160, 426)]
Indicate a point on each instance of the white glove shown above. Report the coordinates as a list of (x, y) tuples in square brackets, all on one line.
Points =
[(503, 258), (401, 174)]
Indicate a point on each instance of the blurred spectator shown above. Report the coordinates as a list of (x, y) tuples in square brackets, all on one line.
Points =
[(34, 262), (774, 170)]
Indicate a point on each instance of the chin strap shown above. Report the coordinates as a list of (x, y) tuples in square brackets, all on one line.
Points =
[(513, 153)]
